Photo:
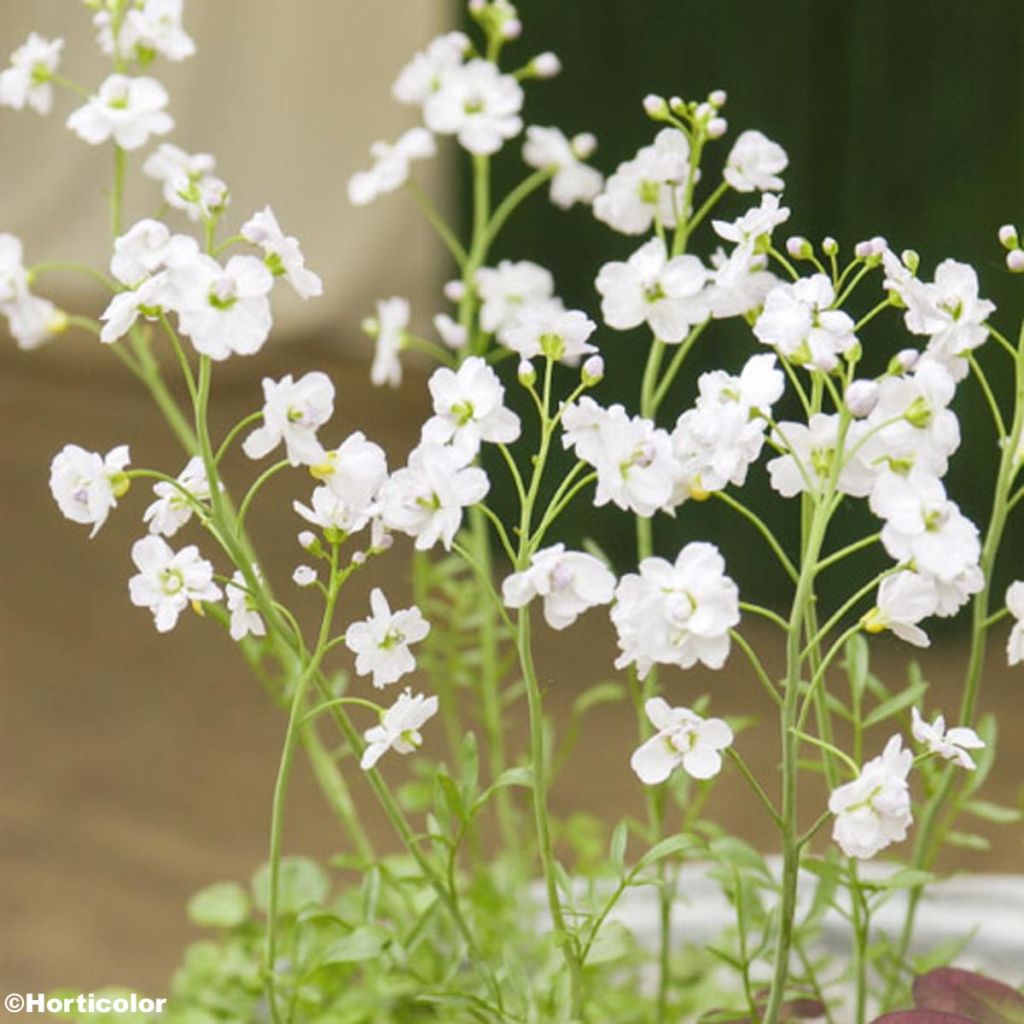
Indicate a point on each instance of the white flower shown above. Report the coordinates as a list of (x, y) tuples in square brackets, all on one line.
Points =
[(755, 225), (573, 181), (304, 576), (245, 619), (140, 251), (569, 581), (399, 729), (874, 810), (739, 282), (353, 475), (954, 593), (13, 276), (811, 454), (426, 498), (506, 290), (469, 407), (682, 738), (923, 526), (86, 485), (168, 581), (381, 642), (636, 468), (950, 744), (182, 176), (547, 329), (282, 252), (127, 110), (452, 333), (125, 308), (1015, 605), (904, 599), (173, 509), (798, 321), (676, 614), (388, 330), (32, 319), (755, 163), (226, 310), (293, 411), (666, 293), (149, 27), (479, 104), (649, 187), (421, 77), (390, 168), (722, 436), (27, 80)]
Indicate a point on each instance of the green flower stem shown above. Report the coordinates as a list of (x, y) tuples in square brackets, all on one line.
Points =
[(929, 833), (765, 613), (676, 364), (51, 266), (997, 416), (850, 549), (117, 193), (258, 484), (707, 206), (758, 667), (149, 372), (232, 434), (861, 920), (762, 527), (756, 786), (438, 223), (513, 200)]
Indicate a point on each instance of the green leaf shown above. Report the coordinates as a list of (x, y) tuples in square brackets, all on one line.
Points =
[(362, 943), (221, 905), (993, 812), (667, 848), (302, 883), (617, 850), (856, 663), (942, 954), (509, 777), (613, 942), (608, 692), (894, 705), (905, 878), (470, 765), (968, 841), (452, 795)]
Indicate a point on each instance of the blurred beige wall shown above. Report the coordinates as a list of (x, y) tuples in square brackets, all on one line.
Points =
[(288, 96)]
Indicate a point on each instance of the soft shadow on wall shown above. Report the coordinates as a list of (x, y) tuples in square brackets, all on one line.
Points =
[(901, 119)]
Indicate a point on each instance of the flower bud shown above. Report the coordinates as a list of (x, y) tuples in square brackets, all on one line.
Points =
[(526, 373), (583, 145), (1008, 238), (370, 326), (862, 397), (656, 107), (454, 291), (703, 111), (477, 6), (677, 105), (1015, 261), (546, 65), (593, 371), (304, 576), (911, 260), (717, 127), (904, 361), (307, 539), (829, 246), (717, 98), (799, 247), (512, 29), (359, 558)]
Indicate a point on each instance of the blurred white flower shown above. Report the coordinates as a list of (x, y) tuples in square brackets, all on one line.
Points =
[(506, 290), (168, 581), (548, 329), (149, 27), (755, 163), (667, 293), (388, 331), (421, 77), (950, 744), (477, 103), (283, 255), (127, 110), (756, 225), (293, 411), (904, 599), (573, 181), (683, 738), (391, 165), (27, 81), (873, 810), (245, 619), (381, 642), (183, 177), (570, 582), (86, 485), (1015, 606), (173, 509), (676, 613), (399, 729), (739, 282)]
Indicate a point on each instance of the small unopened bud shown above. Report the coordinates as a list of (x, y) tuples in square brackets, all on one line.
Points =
[(512, 29), (717, 127), (477, 6), (904, 361), (1008, 237), (526, 373), (584, 145), (911, 260), (656, 107), (798, 247), (307, 538), (1015, 261), (546, 65), (593, 371), (873, 621), (829, 246), (677, 105), (304, 576), (370, 326), (454, 291), (862, 397), (359, 558), (704, 111), (717, 98)]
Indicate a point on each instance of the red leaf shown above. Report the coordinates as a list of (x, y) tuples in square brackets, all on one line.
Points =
[(982, 1000), (922, 1017)]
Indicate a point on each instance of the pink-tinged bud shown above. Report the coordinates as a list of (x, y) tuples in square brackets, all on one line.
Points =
[(593, 370), (1008, 237), (703, 111), (512, 29), (526, 373), (359, 558), (655, 107), (477, 6), (1015, 261), (677, 105), (546, 65), (304, 576), (798, 247), (862, 397), (829, 246), (906, 359), (307, 538), (862, 250), (454, 291), (386, 542), (717, 98), (584, 145), (717, 127)]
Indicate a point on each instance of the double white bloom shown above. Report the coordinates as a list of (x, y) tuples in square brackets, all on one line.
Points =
[(86, 485), (293, 411), (127, 110), (682, 738)]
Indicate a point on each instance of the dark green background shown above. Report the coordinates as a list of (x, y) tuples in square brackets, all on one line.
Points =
[(900, 118)]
